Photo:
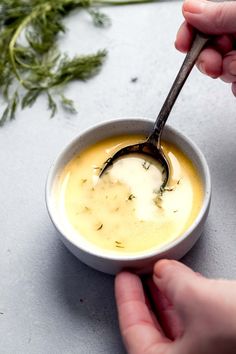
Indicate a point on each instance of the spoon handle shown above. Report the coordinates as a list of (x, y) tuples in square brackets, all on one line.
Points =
[(189, 61)]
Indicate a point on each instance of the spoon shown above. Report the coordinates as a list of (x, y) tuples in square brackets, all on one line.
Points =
[(152, 145)]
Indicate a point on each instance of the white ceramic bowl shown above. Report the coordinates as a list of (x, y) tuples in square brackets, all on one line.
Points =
[(111, 262)]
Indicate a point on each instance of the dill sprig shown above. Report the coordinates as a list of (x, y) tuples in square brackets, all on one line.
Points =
[(33, 65)]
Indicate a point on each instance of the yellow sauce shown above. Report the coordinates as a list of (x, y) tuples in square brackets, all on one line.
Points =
[(125, 210)]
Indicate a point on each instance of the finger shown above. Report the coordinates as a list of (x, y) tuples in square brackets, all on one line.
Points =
[(184, 37), (137, 328), (223, 44), (177, 282), (164, 310), (148, 302), (229, 67), (211, 17), (210, 62)]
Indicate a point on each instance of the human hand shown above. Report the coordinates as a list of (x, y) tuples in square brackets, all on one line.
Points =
[(218, 59), (198, 314)]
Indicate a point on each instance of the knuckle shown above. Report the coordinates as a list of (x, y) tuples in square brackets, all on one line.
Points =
[(220, 16)]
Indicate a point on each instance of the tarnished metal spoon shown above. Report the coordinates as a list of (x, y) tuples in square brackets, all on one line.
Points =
[(152, 145)]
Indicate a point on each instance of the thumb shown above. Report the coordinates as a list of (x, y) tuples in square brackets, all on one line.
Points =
[(210, 17), (177, 282)]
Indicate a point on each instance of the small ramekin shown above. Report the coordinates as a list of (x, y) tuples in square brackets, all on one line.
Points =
[(113, 262)]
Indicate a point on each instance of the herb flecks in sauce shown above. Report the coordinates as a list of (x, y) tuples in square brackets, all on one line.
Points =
[(119, 244), (131, 197), (158, 202), (100, 227), (146, 165), (86, 209), (155, 217)]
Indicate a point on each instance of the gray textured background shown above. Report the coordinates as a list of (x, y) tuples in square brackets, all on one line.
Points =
[(49, 301)]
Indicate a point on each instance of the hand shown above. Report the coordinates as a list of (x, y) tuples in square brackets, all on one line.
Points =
[(198, 314), (218, 59)]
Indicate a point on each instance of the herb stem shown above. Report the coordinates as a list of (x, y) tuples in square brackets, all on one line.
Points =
[(30, 58), (45, 7)]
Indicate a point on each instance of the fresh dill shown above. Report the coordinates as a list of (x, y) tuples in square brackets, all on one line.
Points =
[(158, 202), (134, 79), (169, 189), (68, 105), (97, 168), (100, 227), (146, 165), (31, 63), (119, 244), (159, 194)]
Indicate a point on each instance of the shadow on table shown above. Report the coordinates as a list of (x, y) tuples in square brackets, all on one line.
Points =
[(86, 295), (200, 257)]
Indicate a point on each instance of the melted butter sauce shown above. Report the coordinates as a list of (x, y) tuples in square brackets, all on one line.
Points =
[(125, 211), (135, 172)]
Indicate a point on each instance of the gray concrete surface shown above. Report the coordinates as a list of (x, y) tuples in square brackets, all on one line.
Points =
[(50, 303)]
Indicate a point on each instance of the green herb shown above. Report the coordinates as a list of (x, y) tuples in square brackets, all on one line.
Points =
[(84, 180), (100, 227), (99, 19), (68, 104), (86, 208), (162, 190), (30, 61), (169, 189), (118, 244), (131, 197), (97, 168), (158, 201), (146, 165)]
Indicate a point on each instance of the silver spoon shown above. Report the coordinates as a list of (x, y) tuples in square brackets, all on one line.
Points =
[(152, 145)]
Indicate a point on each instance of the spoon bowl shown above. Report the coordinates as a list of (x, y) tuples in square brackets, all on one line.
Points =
[(145, 148)]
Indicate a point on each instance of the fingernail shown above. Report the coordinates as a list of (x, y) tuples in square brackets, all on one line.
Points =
[(232, 67), (194, 6), (201, 67)]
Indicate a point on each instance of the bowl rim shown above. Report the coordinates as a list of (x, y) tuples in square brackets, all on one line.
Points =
[(147, 254)]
